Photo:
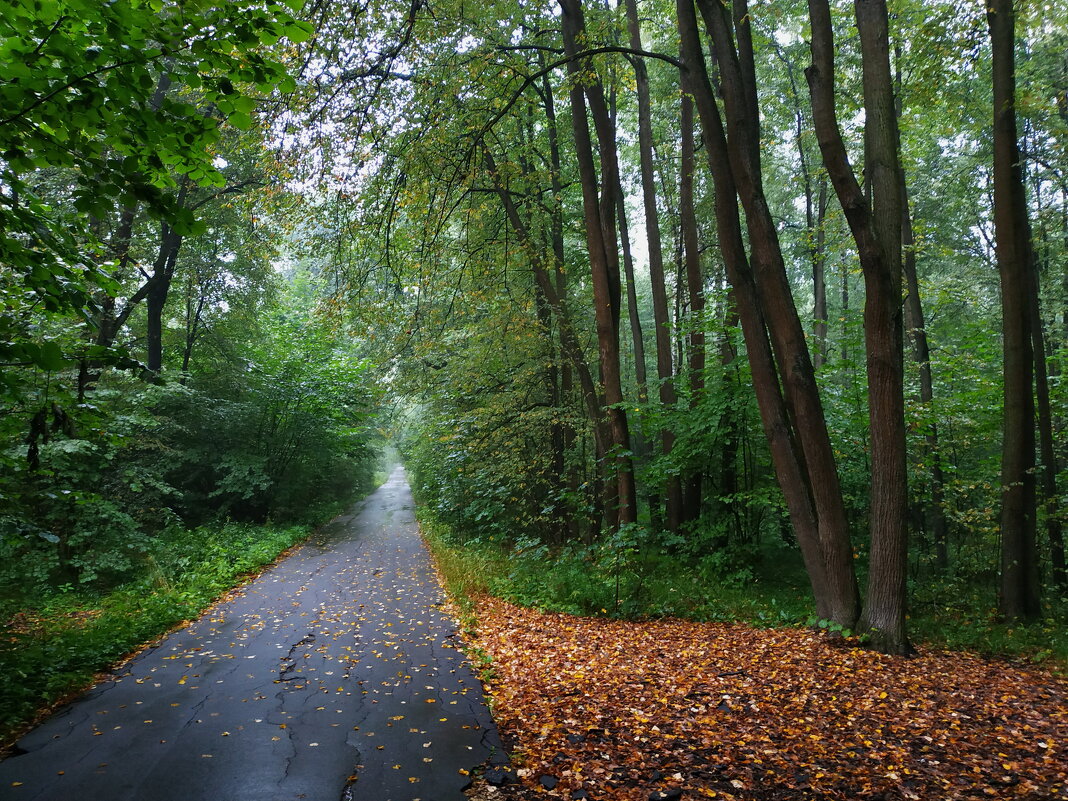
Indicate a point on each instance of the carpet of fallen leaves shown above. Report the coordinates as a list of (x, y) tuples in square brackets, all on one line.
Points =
[(614, 711)]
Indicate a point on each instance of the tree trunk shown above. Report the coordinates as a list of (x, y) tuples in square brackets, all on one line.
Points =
[(553, 292), (817, 229), (876, 229), (1047, 451), (809, 426), (661, 322), (642, 449), (935, 513), (601, 242), (159, 286), (1012, 240), (695, 282), (833, 584), (815, 219), (569, 341), (570, 475)]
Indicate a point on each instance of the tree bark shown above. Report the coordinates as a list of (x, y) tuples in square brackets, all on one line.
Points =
[(835, 598), (794, 363), (1012, 242), (1048, 453), (935, 513), (818, 254), (695, 282), (601, 241), (664, 367), (558, 279), (876, 229), (159, 287)]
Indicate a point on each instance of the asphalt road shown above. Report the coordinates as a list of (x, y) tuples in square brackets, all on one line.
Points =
[(333, 676)]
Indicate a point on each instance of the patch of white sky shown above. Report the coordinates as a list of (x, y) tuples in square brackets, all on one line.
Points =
[(334, 145)]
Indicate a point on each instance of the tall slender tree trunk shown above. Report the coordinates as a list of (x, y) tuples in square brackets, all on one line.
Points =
[(843, 296), (695, 281), (915, 324), (1047, 451), (833, 583), (815, 218), (1012, 237), (809, 426), (558, 279), (935, 512), (599, 212), (817, 230), (637, 337), (664, 368), (642, 448), (876, 229)]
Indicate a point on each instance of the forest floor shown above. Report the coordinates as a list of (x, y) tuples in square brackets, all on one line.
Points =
[(612, 711)]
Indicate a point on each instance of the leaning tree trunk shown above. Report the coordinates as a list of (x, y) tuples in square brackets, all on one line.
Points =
[(835, 595), (1012, 243), (808, 425), (551, 290)]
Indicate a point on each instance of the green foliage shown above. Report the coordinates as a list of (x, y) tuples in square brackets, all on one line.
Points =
[(88, 129), (959, 612), (286, 436), (632, 576), (125, 521), (484, 446)]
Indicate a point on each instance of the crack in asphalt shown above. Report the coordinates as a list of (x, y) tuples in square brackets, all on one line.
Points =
[(288, 663)]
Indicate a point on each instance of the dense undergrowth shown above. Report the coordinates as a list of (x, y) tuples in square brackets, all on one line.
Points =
[(132, 506), (629, 580)]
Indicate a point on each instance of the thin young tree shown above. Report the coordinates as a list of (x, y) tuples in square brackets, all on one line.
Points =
[(599, 214)]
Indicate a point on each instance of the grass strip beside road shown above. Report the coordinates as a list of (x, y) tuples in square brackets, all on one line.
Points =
[(56, 645)]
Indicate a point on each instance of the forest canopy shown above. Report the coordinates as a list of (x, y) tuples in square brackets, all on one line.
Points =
[(764, 301)]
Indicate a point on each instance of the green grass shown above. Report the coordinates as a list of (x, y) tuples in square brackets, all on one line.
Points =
[(767, 588), (961, 615), (465, 570)]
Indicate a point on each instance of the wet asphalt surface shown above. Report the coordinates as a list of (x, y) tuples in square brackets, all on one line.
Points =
[(334, 676)]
